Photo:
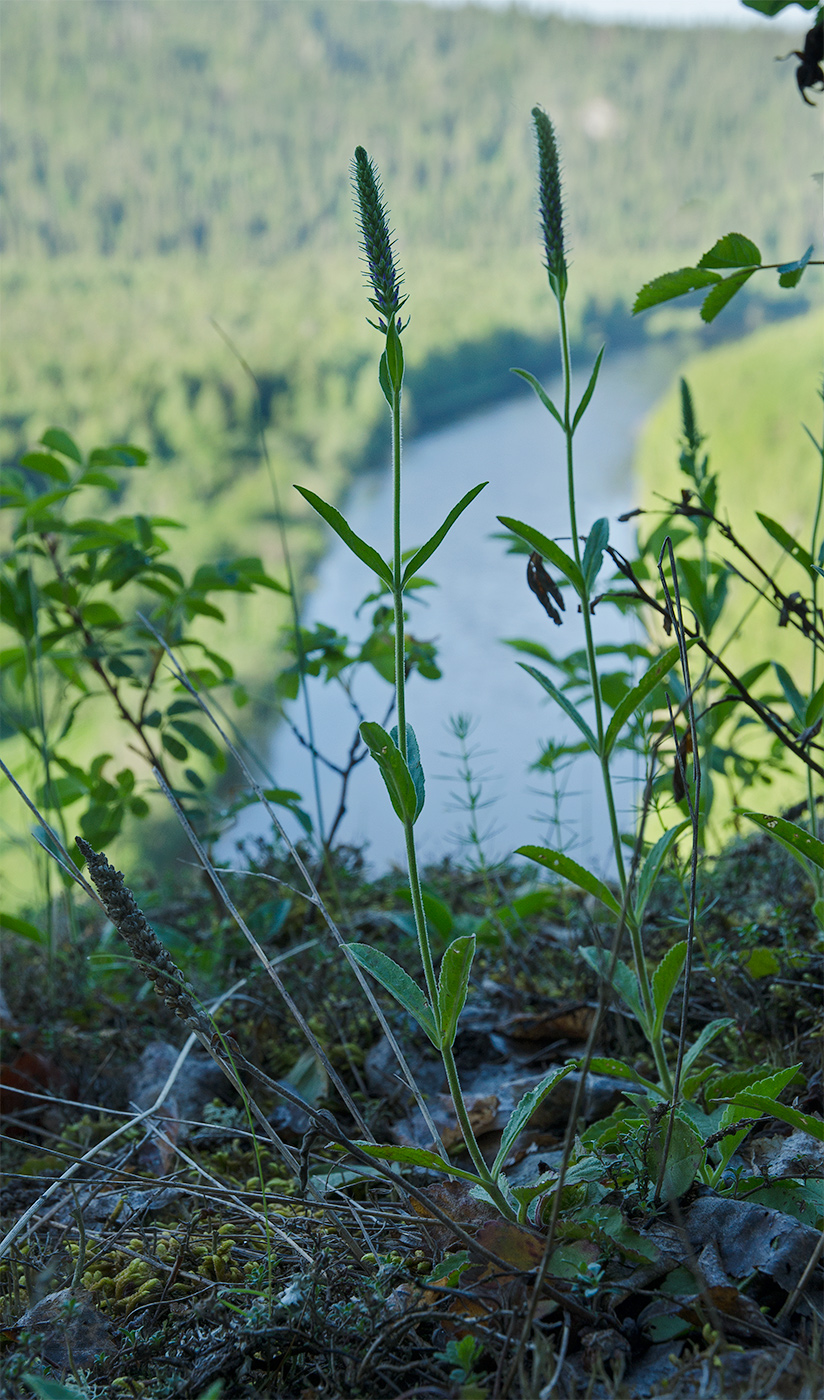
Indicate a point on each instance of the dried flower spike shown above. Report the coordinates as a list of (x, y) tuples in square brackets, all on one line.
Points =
[(376, 240), (153, 959), (551, 201)]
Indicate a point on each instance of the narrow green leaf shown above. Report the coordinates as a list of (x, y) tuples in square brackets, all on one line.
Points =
[(733, 250), (815, 709), (384, 380), (665, 980), (783, 537), (396, 775), (792, 694), (717, 297), (706, 1037), (413, 763), (652, 865), (431, 545), (790, 274), (564, 702), (800, 843), (650, 679), (597, 541), (197, 737), (803, 1122), (46, 464), (541, 392), (413, 1157), (523, 1111), (453, 983), (548, 549), (601, 1064), (623, 979), (399, 984), (359, 547), (59, 441), (589, 391), (10, 923), (570, 870), (671, 285)]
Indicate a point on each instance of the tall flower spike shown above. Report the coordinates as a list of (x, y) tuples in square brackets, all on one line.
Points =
[(376, 240), (551, 201)]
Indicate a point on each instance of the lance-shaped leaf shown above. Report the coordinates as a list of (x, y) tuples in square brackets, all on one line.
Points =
[(564, 702), (706, 1037), (673, 284), (597, 541), (622, 979), (718, 296), (524, 1110), (800, 843), (781, 536), (733, 250), (570, 870), (431, 545), (542, 394), (790, 274), (803, 1122), (359, 547), (453, 982), (652, 865), (548, 549), (413, 763), (399, 984), (395, 772), (413, 1157), (792, 694), (617, 1069), (589, 390), (664, 981), (635, 697)]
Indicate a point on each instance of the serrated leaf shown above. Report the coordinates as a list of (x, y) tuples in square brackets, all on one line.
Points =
[(589, 391), (399, 984), (548, 549), (717, 297), (597, 541), (652, 865), (524, 1110), (665, 980), (671, 285), (359, 547), (622, 980), (541, 392), (428, 549), (733, 250), (395, 772), (790, 274), (570, 870), (453, 983), (783, 537), (650, 679), (564, 702), (413, 1157), (800, 843)]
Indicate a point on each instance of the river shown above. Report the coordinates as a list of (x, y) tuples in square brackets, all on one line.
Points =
[(481, 599)]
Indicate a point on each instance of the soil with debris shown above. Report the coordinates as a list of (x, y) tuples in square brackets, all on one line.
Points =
[(183, 1256)]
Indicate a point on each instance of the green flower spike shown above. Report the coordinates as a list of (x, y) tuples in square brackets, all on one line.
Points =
[(551, 202), (376, 241)]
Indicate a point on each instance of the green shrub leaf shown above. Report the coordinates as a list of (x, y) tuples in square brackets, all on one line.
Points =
[(717, 297), (733, 250), (671, 285), (59, 441), (790, 274)]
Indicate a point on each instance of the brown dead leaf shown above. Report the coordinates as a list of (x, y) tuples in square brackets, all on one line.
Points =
[(512, 1243), (739, 1315), (483, 1112), (571, 1022)]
